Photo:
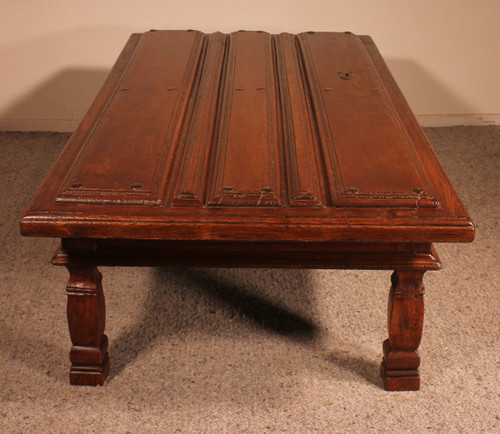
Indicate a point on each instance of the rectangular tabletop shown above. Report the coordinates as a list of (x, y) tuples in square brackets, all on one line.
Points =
[(249, 136)]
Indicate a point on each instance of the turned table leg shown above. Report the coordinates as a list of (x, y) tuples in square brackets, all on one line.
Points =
[(405, 321), (86, 320)]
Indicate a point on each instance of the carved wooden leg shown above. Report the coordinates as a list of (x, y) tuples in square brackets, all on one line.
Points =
[(405, 321), (86, 320)]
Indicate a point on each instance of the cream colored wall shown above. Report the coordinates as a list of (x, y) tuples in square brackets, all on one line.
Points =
[(55, 54)]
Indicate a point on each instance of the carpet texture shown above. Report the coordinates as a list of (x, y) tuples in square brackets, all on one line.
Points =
[(233, 350)]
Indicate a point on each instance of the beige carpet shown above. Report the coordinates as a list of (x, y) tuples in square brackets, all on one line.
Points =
[(252, 350)]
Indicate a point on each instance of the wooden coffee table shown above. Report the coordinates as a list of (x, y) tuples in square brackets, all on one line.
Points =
[(248, 150)]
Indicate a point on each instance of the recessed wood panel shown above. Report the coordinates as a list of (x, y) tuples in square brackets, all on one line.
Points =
[(199, 130), (249, 119), (246, 166), (126, 159), (300, 148), (369, 157)]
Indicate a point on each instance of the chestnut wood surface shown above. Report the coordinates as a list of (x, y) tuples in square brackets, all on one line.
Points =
[(249, 136), (248, 150)]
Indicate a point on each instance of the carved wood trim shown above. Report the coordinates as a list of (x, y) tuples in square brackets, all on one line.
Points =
[(190, 188)]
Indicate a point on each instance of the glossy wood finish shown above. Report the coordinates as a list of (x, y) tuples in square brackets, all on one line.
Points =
[(249, 150)]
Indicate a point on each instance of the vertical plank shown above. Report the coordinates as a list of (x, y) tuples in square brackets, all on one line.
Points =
[(136, 137), (349, 98), (300, 146), (190, 188), (245, 168)]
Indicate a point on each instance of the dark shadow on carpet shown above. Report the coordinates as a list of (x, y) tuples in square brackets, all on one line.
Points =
[(181, 296)]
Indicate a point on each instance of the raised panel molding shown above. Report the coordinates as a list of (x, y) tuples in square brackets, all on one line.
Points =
[(190, 188), (250, 124), (246, 166), (335, 82), (300, 148), (144, 181)]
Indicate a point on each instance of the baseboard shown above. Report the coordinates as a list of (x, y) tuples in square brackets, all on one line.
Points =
[(459, 119), (59, 125), (69, 125)]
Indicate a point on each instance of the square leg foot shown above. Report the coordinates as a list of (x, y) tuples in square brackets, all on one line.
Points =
[(82, 375), (399, 381)]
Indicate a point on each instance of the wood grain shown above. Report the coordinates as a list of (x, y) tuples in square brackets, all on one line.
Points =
[(249, 136), (248, 150)]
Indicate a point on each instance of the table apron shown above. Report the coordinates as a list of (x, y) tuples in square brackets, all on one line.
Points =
[(305, 255)]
